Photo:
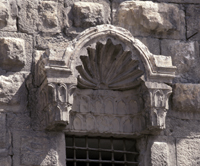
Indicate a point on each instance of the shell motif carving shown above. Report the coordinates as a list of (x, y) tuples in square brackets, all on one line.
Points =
[(108, 66)]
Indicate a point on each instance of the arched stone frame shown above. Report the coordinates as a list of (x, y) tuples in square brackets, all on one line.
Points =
[(158, 71), (159, 68)]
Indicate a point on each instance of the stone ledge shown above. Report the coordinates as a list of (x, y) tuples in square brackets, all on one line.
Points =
[(181, 1)]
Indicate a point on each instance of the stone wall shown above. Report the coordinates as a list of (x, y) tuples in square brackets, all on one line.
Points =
[(31, 29)]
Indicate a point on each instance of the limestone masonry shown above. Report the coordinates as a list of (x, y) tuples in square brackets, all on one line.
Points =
[(99, 82)]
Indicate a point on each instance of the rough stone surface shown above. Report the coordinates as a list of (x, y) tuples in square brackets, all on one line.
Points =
[(105, 112), (48, 17), (155, 19), (28, 47), (185, 55), (12, 90), (80, 15), (153, 44), (28, 16), (88, 14), (182, 125), (181, 1), (8, 15), (192, 22), (48, 48), (159, 155), (19, 121), (6, 161), (12, 56), (34, 148), (157, 150), (188, 151), (58, 42), (186, 97)]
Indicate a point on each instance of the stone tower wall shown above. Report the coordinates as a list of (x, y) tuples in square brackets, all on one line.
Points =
[(30, 27)]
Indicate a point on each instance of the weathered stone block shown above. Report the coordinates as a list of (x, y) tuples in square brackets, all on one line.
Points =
[(10, 85), (193, 23), (56, 42), (28, 16), (157, 151), (5, 161), (20, 38), (39, 149), (152, 44), (41, 153), (88, 14), (2, 121), (5, 139), (180, 1), (159, 154), (78, 15), (104, 111), (188, 151), (48, 19), (186, 97), (148, 18), (184, 57), (3, 15), (19, 121), (12, 55), (182, 124), (8, 14)]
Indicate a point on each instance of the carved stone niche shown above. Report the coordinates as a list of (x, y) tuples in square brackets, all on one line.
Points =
[(106, 81)]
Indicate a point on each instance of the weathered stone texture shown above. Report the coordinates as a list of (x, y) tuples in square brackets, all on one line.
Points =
[(157, 150), (106, 112), (193, 22), (185, 55), (12, 91), (5, 161), (181, 1), (80, 15), (153, 44), (19, 121), (42, 154), (188, 151), (8, 15), (16, 43), (154, 19), (48, 81), (88, 14), (159, 155), (12, 56), (182, 125), (3, 15), (28, 16), (58, 42), (36, 16), (34, 148), (186, 97), (48, 17)]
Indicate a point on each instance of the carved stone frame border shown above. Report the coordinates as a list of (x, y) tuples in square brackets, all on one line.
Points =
[(58, 76)]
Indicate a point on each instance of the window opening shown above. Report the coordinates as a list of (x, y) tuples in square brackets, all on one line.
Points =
[(99, 151)]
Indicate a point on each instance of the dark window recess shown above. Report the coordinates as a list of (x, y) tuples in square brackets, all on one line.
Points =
[(99, 151)]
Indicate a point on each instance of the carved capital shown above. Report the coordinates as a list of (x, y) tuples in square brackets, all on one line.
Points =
[(157, 104), (51, 111)]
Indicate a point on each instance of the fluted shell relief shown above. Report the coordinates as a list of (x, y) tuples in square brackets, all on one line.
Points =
[(108, 66)]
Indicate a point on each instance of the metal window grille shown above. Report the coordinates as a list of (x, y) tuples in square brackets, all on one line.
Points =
[(99, 151)]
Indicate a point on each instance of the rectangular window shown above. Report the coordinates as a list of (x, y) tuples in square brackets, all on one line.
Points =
[(99, 151)]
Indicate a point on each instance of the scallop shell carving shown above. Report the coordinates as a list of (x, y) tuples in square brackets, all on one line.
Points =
[(108, 66)]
